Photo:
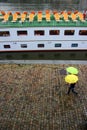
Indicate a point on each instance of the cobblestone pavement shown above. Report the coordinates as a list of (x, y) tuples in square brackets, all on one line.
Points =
[(33, 97)]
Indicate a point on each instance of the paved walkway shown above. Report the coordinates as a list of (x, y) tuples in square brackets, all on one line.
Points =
[(43, 62), (33, 97)]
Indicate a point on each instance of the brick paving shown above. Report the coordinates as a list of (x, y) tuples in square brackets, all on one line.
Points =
[(33, 97)]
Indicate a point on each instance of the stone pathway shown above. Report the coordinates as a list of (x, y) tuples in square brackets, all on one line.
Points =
[(33, 97)]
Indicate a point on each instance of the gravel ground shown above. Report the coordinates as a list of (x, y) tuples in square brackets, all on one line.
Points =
[(33, 97)]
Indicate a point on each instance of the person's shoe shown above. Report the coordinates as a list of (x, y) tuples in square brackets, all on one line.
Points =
[(76, 93)]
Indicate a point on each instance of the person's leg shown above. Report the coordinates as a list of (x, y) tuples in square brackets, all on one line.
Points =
[(74, 91), (68, 90)]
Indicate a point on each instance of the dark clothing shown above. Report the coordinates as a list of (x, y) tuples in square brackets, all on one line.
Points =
[(71, 88)]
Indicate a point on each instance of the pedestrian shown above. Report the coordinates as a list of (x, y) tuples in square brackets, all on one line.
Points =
[(71, 88)]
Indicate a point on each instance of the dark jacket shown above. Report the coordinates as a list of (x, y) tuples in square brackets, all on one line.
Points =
[(72, 85)]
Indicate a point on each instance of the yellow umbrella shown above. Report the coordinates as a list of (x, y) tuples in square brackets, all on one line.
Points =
[(72, 70), (71, 78)]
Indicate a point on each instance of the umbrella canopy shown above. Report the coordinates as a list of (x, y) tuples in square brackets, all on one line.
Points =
[(71, 78), (72, 70)]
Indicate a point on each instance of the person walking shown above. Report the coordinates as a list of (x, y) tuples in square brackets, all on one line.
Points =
[(72, 80), (71, 88)]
